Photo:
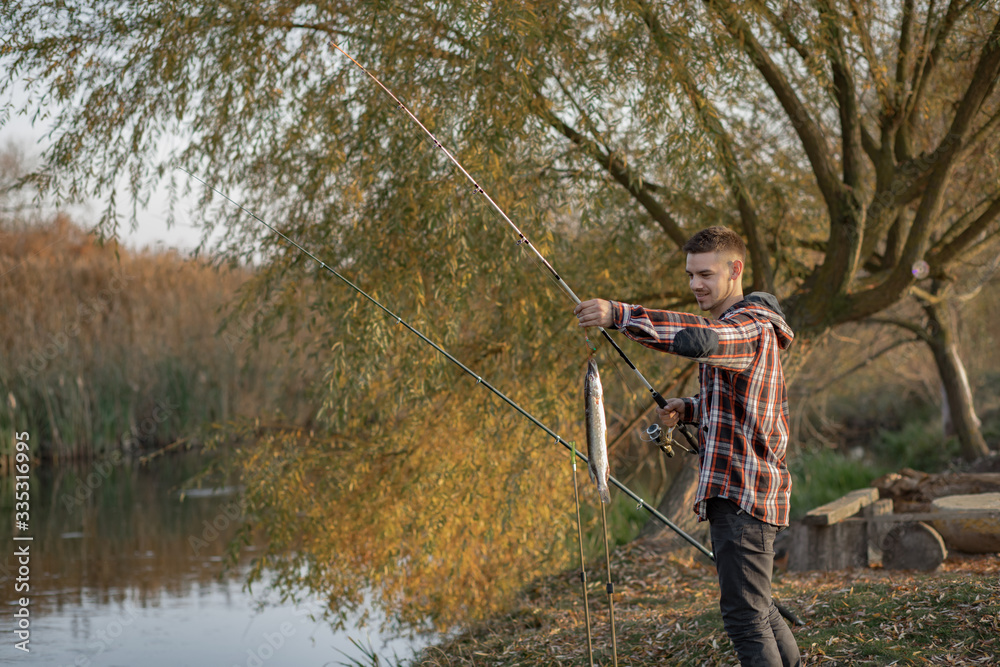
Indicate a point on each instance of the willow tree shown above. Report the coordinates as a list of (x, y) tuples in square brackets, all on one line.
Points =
[(847, 142)]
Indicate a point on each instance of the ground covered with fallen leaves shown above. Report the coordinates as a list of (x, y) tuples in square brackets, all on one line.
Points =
[(666, 613)]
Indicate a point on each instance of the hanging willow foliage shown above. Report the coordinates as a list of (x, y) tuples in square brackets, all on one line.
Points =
[(845, 140)]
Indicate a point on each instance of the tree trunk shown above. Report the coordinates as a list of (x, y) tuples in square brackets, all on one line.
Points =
[(954, 381), (678, 506)]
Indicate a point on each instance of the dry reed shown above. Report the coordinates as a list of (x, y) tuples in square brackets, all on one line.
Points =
[(105, 348)]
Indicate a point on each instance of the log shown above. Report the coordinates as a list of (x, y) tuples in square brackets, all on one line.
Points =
[(840, 546), (876, 530), (925, 516), (842, 508), (975, 534), (825, 540), (914, 491), (913, 546)]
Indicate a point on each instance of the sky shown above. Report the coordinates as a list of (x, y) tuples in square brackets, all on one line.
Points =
[(152, 231)]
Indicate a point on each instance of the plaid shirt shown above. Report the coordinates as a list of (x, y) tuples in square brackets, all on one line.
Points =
[(742, 408)]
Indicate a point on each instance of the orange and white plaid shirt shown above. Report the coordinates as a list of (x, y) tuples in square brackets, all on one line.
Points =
[(742, 407)]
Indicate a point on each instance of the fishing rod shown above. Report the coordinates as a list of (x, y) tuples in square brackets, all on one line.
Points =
[(521, 238), (479, 379)]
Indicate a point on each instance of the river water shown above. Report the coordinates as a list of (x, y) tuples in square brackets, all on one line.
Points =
[(124, 572)]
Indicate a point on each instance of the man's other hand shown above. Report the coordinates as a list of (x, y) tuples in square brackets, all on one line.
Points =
[(594, 313)]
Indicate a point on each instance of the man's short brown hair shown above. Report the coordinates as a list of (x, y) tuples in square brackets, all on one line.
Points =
[(717, 238)]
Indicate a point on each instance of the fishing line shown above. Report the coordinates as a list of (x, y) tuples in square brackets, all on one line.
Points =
[(522, 241), (583, 562), (479, 379), (610, 585), (521, 238)]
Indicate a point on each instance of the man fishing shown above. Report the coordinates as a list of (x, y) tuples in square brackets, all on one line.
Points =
[(742, 416)]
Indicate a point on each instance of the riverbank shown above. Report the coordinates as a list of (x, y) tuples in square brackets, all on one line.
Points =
[(666, 613)]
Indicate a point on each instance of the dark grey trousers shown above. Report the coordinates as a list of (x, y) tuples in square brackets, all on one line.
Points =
[(744, 558)]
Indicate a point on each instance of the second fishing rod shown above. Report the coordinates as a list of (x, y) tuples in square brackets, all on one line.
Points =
[(640, 503), (496, 210)]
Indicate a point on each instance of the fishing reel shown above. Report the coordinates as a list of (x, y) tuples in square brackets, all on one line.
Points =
[(654, 433), (663, 440)]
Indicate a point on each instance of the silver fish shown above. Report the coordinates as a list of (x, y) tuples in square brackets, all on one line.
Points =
[(597, 431)]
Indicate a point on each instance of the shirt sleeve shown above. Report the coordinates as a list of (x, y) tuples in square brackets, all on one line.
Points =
[(730, 343), (691, 412)]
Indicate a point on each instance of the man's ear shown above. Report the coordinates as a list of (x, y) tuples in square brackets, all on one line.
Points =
[(736, 269)]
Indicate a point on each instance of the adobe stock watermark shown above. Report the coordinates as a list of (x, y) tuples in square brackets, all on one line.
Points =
[(273, 641), (92, 482), (140, 431), (236, 333), (230, 514), (39, 358), (105, 637)]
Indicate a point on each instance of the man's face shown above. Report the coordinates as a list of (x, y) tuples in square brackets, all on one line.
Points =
[(715, 280)]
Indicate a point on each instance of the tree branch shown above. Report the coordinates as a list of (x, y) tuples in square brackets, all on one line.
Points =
[(846, 211), (905, 48), (708, 117), (982, 80), (903, 148), (945, 255), (618, 169), (894, 240), (900, 278), (915, 329), (875, 66), (988, 130), (844, 87), (681, 201), (870, 359), (923, 72), (591, 126), (809, 132), (923, 53), (784, 29), (869, 144)]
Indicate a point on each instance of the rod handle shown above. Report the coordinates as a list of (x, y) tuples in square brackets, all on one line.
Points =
[(660, 401)]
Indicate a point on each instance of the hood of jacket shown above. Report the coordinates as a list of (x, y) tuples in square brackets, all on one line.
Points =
[(765, 306)]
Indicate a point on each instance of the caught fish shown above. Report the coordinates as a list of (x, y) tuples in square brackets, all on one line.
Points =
[(597, 431)]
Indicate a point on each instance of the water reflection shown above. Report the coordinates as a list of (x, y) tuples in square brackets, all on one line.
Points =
[(125, 572)]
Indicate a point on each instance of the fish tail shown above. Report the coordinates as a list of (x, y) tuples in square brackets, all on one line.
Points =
[(604, 492), (602, 486)]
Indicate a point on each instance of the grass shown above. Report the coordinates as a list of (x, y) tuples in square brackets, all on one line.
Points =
[(821, 475), (919, 443), (369, 656), (625, 519), (666, 613), (913, 619)]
